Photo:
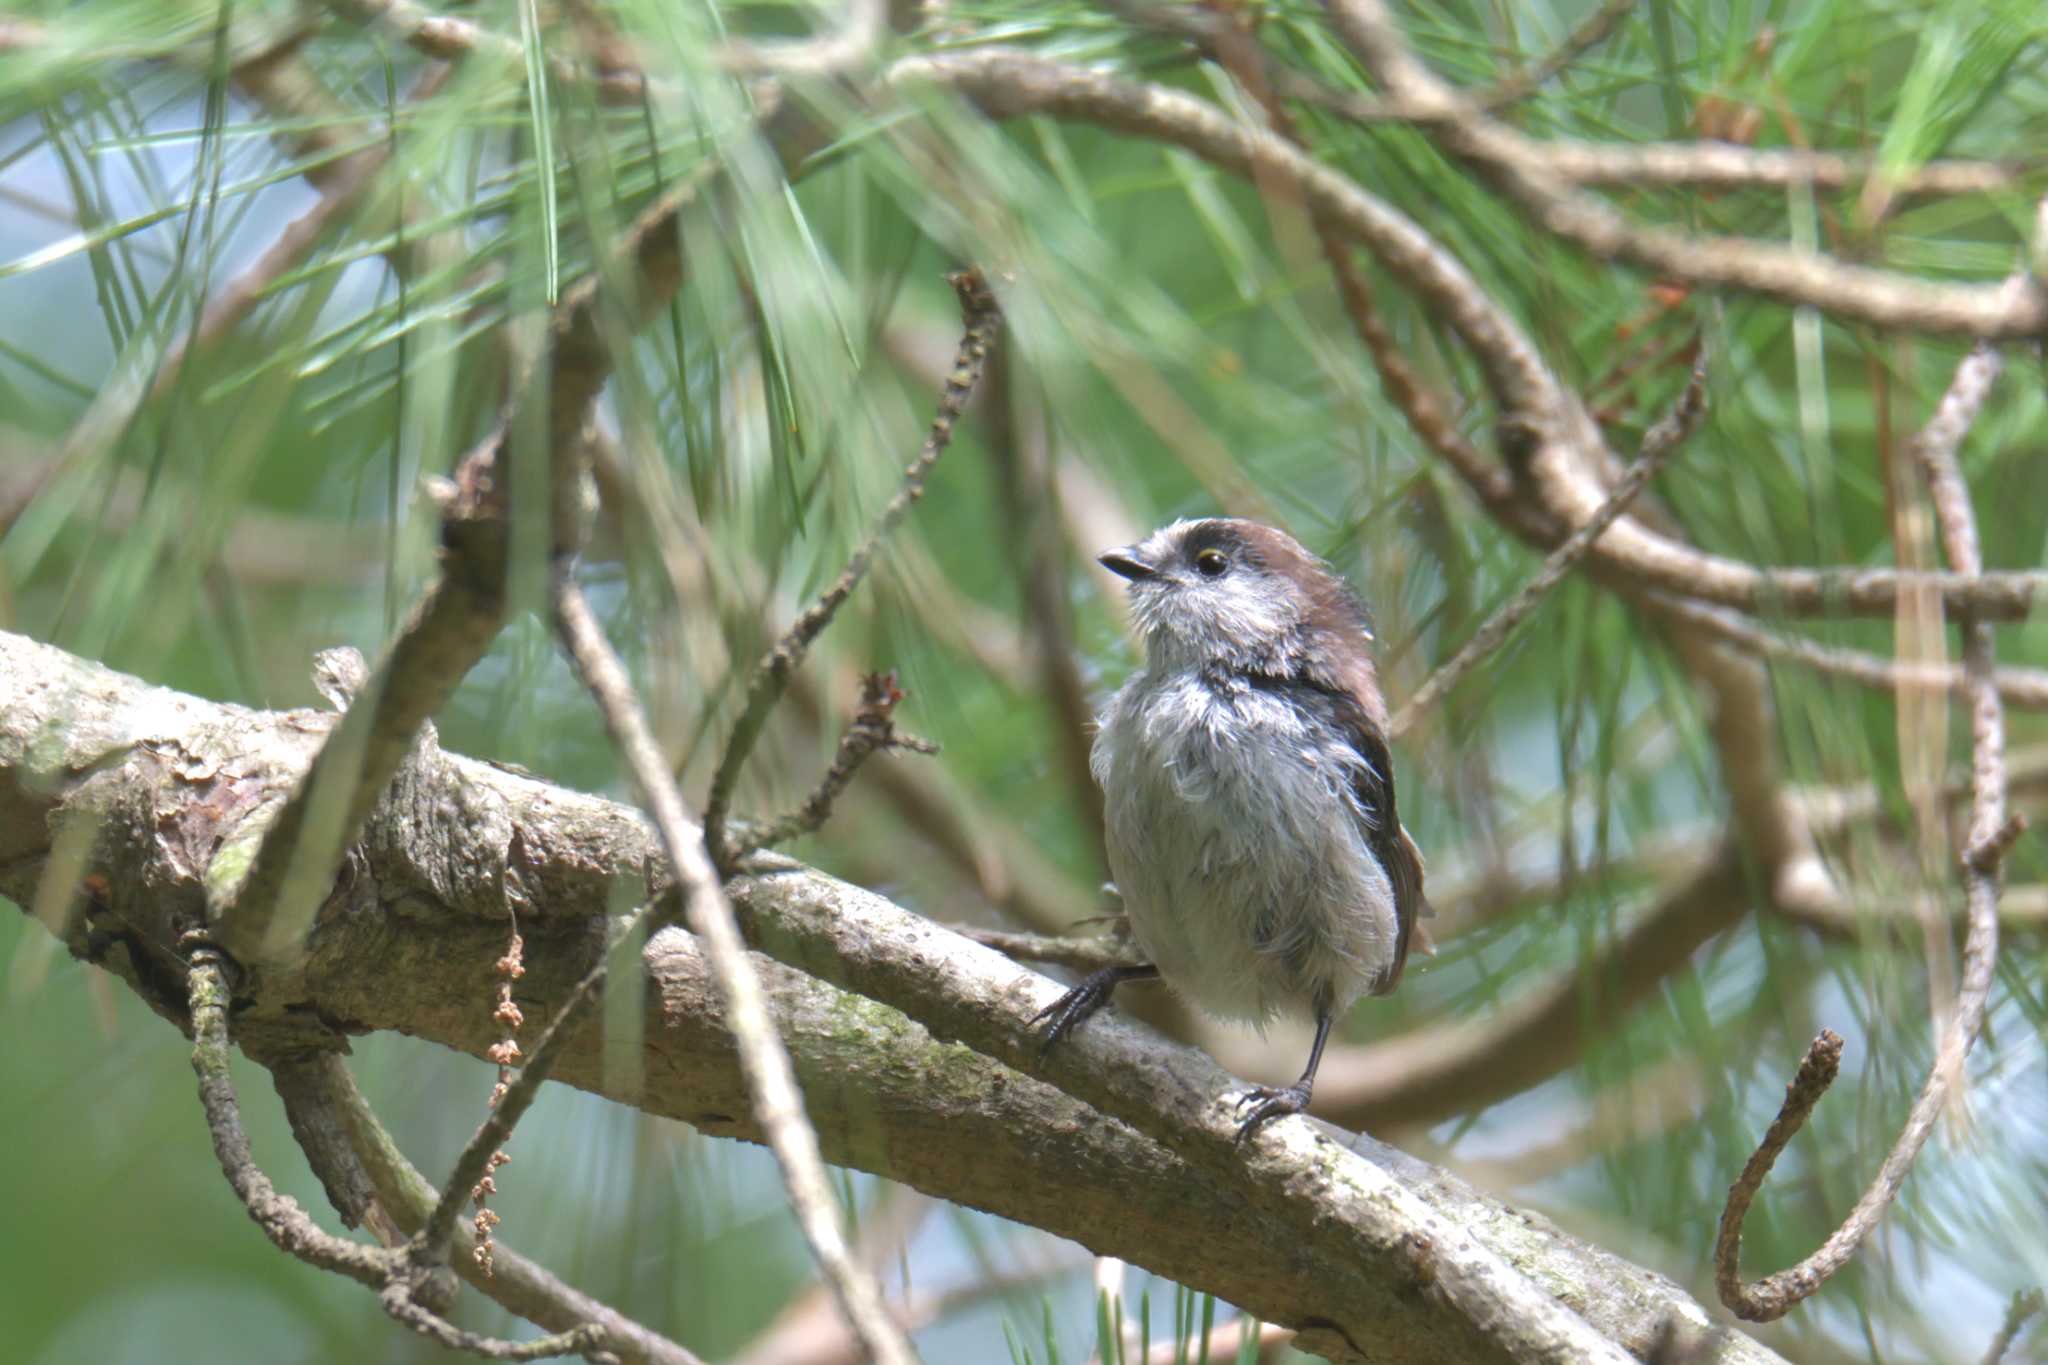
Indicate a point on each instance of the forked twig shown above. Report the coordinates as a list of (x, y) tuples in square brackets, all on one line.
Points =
[(873, 730), (517, 1284), (397, 1273), (771, 1082), (1990, 834), (981, 318), (1658, 444)]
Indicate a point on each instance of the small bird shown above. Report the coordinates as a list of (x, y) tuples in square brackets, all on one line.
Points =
[(1249, 794)]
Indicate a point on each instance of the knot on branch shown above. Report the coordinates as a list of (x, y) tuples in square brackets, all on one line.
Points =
[(1984, 856)]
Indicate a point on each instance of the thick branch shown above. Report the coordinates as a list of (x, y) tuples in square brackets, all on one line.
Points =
[(458, 839)]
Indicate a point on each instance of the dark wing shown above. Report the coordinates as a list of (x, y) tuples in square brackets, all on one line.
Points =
[(1373, 785), (1397, 853)]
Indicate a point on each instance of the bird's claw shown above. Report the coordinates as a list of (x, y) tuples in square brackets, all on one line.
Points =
[(1268, 1103), (1069, 1010)]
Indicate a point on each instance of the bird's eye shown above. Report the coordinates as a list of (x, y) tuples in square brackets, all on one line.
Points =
[(1212, 563)]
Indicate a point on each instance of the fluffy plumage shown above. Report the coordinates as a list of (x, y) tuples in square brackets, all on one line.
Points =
[(1248, 789)]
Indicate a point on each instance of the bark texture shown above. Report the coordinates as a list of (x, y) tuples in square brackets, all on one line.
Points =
[(116, 798)]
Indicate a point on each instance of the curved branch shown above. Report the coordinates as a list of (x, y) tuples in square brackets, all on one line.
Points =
[(1546, 422), (395, 1274), (1658, 444), (1989, 836), (1517, 165), (519, 1285)]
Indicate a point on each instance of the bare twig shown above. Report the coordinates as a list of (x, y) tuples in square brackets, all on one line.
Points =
[(771, 1084), (1592, 31), (1703, 164), (1658, 444), (873, 730), (1989, 835), (2025, 1304), (517, 1283), (1816, 1073), (981, 319), (2022, 688), (397, 1274)]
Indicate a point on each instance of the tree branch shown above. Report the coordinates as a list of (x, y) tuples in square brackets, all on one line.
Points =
[(1658, 445), (396, 1275), (1516, 165), (1547, 426), (771, 1084), (980, 319), (1989, 836), (885, 1095)]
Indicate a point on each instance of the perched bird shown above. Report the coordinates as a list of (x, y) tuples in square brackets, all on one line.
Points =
[(1249, 794)]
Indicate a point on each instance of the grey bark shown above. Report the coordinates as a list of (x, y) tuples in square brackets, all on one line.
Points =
[(115, 797)]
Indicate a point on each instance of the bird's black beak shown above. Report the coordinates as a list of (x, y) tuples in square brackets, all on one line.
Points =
[(1125, 564)]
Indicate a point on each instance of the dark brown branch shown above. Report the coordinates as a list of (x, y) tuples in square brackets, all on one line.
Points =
[(981, 319), (771, 1081), (1425, 407), (1658, 444)]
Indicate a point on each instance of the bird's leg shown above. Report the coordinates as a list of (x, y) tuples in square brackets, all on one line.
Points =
[(1269, 1103), (1083, 1000)]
